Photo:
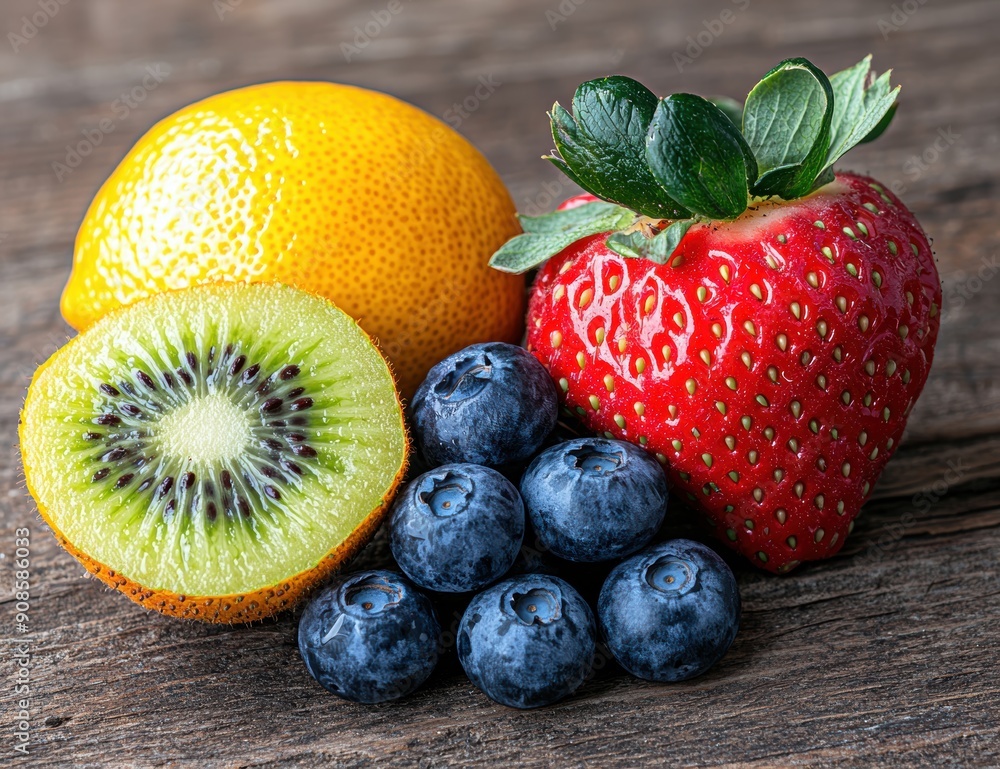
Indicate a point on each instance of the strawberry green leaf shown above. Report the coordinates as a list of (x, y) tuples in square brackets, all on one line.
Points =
[(848, 89), (602, 145), (699, 157), (659, 248), (879, 129), (860, 111), (826, 176), (786, 122), (583, 173), (545, 236), (561, 221)]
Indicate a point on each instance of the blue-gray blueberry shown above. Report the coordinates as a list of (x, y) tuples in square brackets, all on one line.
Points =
[(594, 499), (489, 404), (527, 641), (670, 612), (369, 637), (457, 528)]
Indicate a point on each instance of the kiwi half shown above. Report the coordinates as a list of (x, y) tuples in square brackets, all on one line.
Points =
[(216, 451)]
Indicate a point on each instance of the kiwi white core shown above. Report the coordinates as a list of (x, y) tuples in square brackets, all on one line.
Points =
[(207, 429)]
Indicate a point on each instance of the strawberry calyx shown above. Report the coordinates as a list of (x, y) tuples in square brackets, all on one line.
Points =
[(660, 166)]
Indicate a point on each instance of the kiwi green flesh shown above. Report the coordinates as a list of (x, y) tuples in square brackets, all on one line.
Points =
[(216, 440)]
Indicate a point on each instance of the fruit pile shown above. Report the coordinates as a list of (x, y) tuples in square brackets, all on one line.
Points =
[(667, 612), (720, 314)]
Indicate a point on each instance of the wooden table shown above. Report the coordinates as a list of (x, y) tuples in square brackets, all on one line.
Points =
[(885, 654)]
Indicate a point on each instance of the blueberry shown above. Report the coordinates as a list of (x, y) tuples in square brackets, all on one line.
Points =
[(490, 404), (527, 641), (670, 612), (457, 528), (592, 499), (369, 637)]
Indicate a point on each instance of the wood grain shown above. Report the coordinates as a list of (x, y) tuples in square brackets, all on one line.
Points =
[(887, 654)]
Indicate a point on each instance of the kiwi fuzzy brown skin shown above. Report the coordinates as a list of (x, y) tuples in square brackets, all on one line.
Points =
[(241, 607)]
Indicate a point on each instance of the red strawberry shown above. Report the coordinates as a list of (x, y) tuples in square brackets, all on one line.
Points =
[(770, 363)]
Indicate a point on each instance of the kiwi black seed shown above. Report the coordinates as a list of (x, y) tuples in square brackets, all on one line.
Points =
[(247, 485)]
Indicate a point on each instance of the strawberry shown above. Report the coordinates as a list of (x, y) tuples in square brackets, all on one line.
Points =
[(767, 349)]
